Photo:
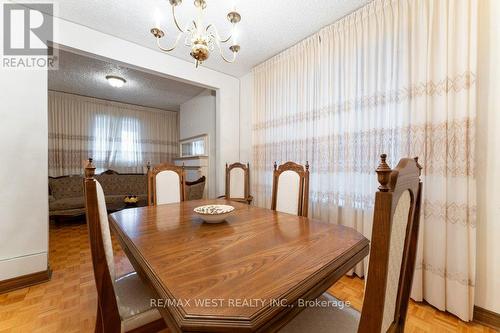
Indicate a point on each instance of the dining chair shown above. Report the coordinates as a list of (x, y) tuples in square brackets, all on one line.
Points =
[(392, 260), (166, 184), (123, 303), (291, 188), (238, 183)]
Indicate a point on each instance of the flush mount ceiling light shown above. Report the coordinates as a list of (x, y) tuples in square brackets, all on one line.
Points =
[(115, 81), (200, 38)]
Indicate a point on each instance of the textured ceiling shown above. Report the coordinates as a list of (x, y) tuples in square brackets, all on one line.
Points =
[(86, 76), (267, 26)]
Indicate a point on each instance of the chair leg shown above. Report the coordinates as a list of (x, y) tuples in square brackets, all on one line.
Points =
[(98, 321)]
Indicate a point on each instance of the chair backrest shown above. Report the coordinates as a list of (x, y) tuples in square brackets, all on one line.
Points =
[(393, 247), (291, 188), (195, 189), (101, 250), (166, 184), (237, 181)]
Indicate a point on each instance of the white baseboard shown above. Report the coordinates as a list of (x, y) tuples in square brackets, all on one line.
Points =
[(15, 267)]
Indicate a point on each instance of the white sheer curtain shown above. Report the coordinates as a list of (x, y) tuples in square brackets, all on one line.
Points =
[(395, 77), (117, 140), (118, 136)]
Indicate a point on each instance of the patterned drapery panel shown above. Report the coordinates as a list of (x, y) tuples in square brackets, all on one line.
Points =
[(118, 136), (395, 77)]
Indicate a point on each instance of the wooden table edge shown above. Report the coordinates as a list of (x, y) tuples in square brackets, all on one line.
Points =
[(138, 262), (179, 321), (320, 288)]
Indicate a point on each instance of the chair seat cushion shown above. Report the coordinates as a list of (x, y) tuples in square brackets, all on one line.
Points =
[(331, 318), (134, 299)]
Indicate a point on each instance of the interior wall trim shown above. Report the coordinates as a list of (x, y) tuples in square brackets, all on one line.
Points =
[(487, 317), (25, 280)]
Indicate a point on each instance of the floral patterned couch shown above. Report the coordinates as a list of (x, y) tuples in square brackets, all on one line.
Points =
[(66, 193), (194, 190)]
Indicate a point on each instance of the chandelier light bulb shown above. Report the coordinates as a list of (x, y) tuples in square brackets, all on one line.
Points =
[(157, 18), (235, 35), (201, 38)]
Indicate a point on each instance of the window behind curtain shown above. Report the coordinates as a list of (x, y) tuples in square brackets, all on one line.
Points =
[(117, 142), (117, 136)]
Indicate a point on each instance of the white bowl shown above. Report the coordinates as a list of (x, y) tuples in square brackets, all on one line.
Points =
[(214, 213)]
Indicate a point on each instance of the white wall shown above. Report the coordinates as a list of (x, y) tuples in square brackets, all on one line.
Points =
[(23, 124), (23, 172), (488, 158), (197, 117)]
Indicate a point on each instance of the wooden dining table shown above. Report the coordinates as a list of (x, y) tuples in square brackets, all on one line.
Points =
[(251, 273)]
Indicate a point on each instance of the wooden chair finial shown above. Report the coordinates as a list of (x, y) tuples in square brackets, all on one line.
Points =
[(418, 165), (89, 169), (307, 165), (148, 165), (383, 173), (275, 165)]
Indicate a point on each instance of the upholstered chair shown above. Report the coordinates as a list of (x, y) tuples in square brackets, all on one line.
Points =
[(166, 184), (238, 183), (392, 261), (195, 189), (123, 303), (291, 188)]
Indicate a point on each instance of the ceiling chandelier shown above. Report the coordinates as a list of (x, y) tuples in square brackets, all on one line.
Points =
[(200, 38)]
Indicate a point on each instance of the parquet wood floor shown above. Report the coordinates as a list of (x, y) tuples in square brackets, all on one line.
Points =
[(422, 317), (67, 303)]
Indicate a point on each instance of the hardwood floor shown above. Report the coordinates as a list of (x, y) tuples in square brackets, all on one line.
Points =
[(67, 302), (422, 317)]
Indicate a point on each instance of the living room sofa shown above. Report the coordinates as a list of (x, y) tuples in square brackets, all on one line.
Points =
[(66, 198)]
